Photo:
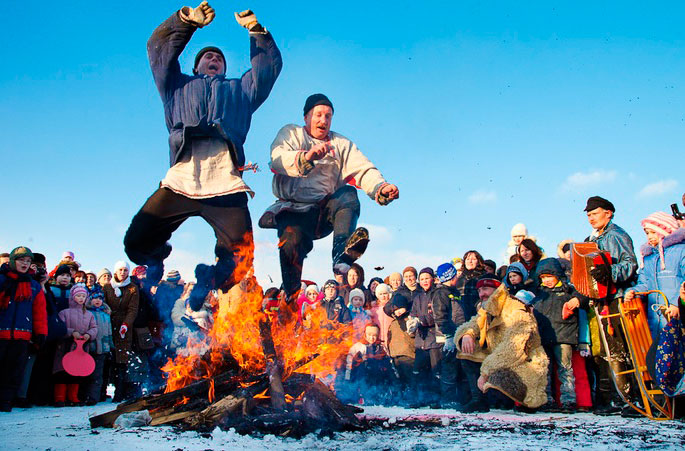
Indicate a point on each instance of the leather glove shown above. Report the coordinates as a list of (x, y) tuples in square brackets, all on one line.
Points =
[(122, 330), (199, 16), (602, 274), (246, 19), (450, 346)]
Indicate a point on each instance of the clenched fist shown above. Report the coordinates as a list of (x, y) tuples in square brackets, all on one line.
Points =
[(246, 19), (200, 16)]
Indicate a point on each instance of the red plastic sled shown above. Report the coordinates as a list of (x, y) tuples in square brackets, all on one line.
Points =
[(78, 362)]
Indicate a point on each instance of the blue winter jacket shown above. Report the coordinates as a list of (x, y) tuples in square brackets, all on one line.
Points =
[(618, 243), (668, 280), (199, 105)]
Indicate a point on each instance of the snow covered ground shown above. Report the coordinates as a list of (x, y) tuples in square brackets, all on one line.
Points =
[(404, 429)]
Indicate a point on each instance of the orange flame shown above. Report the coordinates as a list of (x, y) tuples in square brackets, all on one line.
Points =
[(236, 329)]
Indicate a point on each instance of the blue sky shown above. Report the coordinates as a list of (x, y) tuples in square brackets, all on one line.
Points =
[(484, 114)]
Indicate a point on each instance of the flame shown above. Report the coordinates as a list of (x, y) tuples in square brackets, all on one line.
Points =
[(236, 330)]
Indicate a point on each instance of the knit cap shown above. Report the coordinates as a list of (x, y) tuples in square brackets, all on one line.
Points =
[(428, 271), (446, 272), (67, 254), (121, 264), (311, 287), (138, 271), (330, 283), (519, 229), (76, 289), (19, 252), (63, 269), (525, 296), (173, 275), (357, 292), (661, 223), (104, 271)]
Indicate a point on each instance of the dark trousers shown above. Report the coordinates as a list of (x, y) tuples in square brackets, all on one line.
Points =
[(13, 355), (297, 231), (472, 373), (427, 374), (164, 212), (94, 386), (449, 372)]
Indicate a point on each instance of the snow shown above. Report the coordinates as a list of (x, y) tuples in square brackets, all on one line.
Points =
[(68, 428)]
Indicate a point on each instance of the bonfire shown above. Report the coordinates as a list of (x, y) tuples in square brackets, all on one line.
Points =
[(254, 372)]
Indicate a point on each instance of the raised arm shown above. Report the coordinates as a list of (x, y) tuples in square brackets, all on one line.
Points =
[(168, 41), (265, 59)]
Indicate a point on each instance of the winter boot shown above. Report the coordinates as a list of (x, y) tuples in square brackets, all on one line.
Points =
[(60, 394), (205, 282), (72, 394), (354, 247)]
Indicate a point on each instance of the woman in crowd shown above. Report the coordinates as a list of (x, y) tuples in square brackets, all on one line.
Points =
[(122, 297), (530, 254), (466, 283)]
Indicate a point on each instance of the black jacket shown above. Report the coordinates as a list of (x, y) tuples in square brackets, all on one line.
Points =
[(447, 310), (422, 308)]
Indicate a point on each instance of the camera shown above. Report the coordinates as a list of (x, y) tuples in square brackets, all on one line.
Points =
[(39, 274), (676, 212)]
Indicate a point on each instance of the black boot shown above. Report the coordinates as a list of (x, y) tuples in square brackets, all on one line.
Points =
[(205, 282), (354, 247)]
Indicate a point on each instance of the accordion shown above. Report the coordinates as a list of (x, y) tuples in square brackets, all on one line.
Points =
[(584, 257)]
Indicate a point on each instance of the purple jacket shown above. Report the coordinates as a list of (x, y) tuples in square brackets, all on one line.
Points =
[(78, 319)]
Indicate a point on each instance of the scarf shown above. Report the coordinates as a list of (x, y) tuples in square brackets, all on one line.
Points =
[(17, 286), (118, 285)]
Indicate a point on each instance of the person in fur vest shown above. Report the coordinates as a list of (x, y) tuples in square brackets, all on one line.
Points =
[(23, 318), (80, 325), (101, 346), (663, 268), (503, 338)]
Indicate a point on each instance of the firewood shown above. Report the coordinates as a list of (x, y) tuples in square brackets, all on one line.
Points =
[(171, 418)]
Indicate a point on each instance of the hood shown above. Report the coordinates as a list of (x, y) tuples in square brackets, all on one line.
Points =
[(677, 237), (560, 253), (515, 267), (550, 266)]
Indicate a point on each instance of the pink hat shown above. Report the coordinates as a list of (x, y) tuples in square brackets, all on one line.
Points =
[(68, 254), (661, 223), (76, 289)]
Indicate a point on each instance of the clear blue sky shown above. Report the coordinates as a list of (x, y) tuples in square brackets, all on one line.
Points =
[(485, 114)]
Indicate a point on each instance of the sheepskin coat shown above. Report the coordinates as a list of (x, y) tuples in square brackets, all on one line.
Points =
[(509, 347)]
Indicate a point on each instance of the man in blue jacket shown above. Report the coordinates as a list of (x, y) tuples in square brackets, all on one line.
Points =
[(621, 273), (208, 116)]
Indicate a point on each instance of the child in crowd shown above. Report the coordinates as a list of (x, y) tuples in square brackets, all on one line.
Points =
[(60, 287), (101, 345), (400, 343), (80, 277), (359, 316), (336, 310), (23, 317), (558, 331), (368, 368), (80, 325), (515, 277)]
